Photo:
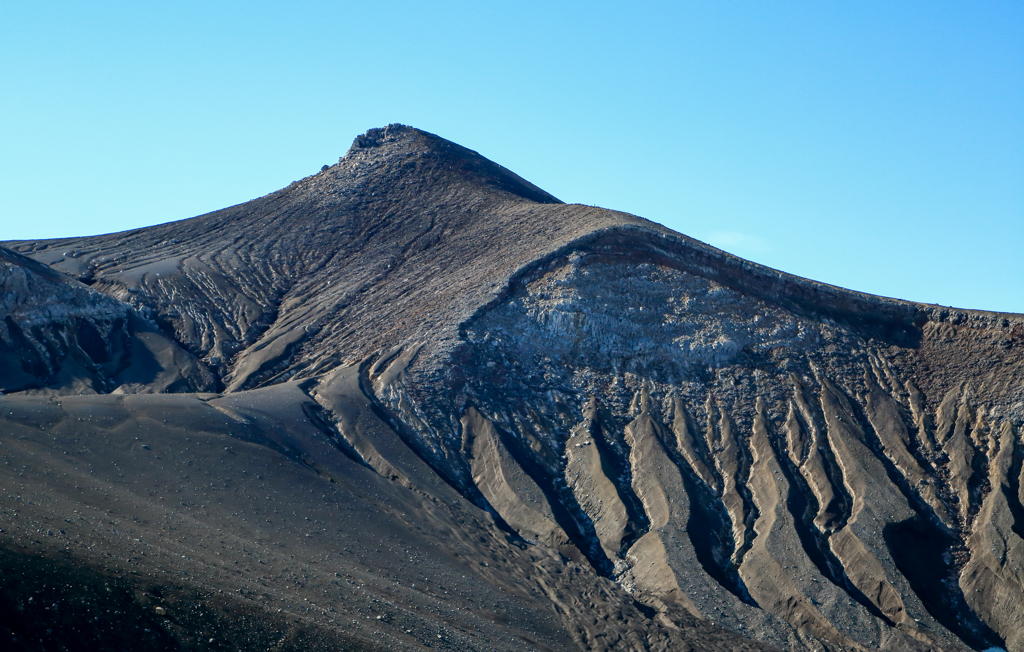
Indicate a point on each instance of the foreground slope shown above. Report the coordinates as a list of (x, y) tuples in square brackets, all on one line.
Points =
[(468, 387)]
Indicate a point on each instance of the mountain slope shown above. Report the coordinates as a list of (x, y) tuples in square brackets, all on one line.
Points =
[(59, 336), (350, 259), (690, 440)]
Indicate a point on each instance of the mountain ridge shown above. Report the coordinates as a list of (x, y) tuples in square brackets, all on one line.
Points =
[(595, 404)]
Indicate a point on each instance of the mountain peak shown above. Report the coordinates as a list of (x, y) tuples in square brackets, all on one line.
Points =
[(380, 135), (402, 150)]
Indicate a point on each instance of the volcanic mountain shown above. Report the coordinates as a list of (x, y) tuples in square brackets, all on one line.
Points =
[(413, 401)]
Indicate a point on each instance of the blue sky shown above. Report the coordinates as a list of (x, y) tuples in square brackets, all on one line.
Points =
[(874, 145)]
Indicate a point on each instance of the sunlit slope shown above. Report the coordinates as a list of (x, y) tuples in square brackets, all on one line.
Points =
[(642, 437)]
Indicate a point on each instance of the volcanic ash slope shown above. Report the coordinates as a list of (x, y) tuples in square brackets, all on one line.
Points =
[(414, 401)]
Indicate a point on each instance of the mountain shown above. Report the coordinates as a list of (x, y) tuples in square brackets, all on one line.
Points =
[(415, 401)]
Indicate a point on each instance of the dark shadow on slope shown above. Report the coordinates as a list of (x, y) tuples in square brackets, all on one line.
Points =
[(32, 363), (706, 527), (568, 514), (51, 605), (917, 548), (803, 507), (92, 342), (607, 434), (1013, 495)]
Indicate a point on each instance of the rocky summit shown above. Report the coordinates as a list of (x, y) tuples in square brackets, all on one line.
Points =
[(415, 402)]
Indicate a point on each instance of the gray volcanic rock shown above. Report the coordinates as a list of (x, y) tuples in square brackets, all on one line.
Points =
[(453, 412), (60, 336), (50, 322)]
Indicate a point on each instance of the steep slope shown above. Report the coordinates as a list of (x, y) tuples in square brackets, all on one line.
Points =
[(875, 446), (646, 436)]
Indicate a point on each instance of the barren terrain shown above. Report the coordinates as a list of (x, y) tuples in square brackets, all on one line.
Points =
[(413, 401)]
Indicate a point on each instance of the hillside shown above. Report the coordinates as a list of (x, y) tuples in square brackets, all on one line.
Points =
[(415, 401)]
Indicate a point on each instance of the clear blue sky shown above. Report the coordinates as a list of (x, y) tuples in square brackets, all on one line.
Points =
[(873, 145)]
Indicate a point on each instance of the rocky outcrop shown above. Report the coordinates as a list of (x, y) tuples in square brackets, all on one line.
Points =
[(50, 324), (60, 336)]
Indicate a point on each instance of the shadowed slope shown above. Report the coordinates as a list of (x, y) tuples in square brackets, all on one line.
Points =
[(60, 336)]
